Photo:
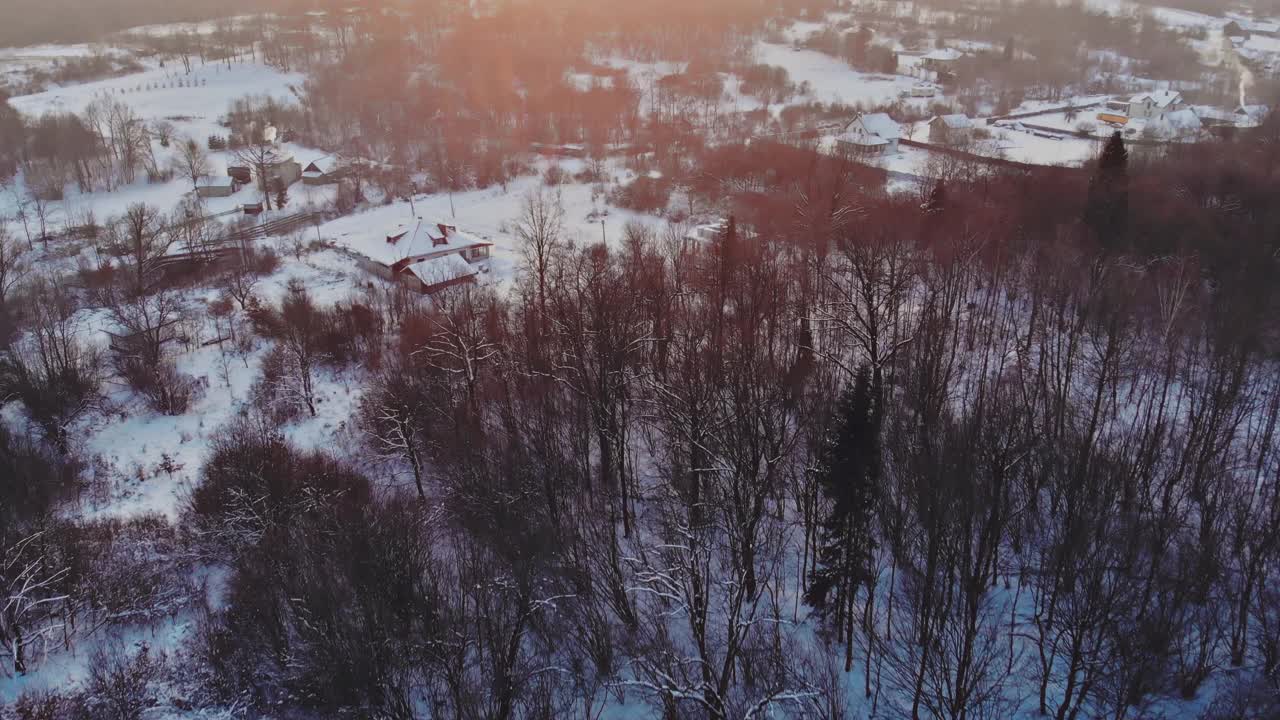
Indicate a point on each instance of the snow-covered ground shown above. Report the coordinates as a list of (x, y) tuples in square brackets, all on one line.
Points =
[(194, 104), (195, 100), (831, 79)]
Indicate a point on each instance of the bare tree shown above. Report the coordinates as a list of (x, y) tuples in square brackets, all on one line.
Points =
[(30, 597), (192, 160), (261, 156), (299, 335), (140, 239), (13, 264), (539, 228)]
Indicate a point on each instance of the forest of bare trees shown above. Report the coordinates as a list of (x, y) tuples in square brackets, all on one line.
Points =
[(1002, 447)]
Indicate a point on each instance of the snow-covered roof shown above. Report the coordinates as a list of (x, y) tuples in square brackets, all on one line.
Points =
[(212, 181), (1159, 98), (442, 269), (322, 166), (1250, 115), (882, 125), (409, 240), (955, 121), (1180, 120), (1267, 28), (1262, 44), (1209, 112), (943, 54)]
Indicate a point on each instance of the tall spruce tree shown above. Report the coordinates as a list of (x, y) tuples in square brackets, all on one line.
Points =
[(937, 197), (1107, 208), (848, 474)]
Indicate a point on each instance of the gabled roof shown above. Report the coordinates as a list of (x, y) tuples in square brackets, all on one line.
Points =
[(323, 166), (881, 125), (442, 270), (1159, 98), (1183, 120), (408, 241), (954, 122)]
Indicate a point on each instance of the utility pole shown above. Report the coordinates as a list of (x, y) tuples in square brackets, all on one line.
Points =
[(603, 238)]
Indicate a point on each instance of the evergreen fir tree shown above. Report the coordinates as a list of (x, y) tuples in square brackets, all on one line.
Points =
[(282, 194), (1107, 208), (848, 475), (1008, 50), (937, 197)]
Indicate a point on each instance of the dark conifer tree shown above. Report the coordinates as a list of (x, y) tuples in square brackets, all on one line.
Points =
[(848, 476), (937, 197), (282, 194), (1107, 209)]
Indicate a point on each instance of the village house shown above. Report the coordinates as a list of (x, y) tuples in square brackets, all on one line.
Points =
[(870, 134), (954, 129), (216, 186), (426, 256), (285, 171), (1154, 104), (1181, 124), (942, 61), (323, 171)]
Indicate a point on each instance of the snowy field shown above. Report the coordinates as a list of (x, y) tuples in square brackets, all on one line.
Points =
[(195, 100), (831, 79), (194, 104)]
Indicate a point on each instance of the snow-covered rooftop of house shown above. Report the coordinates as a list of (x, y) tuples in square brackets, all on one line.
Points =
[(1180, 120), (1159, 98), (1249, 115), (322, 166), (943, 54), (1253, 26), (882, 125), (1262, 44), (442, 269), (410, 238), (956, 121)]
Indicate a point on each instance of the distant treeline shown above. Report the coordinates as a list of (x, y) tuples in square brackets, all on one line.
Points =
[(31, 22)]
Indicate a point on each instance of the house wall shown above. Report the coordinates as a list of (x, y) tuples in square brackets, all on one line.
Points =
[(287, 172), (215, 191)]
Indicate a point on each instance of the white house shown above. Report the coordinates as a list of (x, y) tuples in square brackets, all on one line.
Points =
[(1177, 125), (941, 60), (211, 186), (950, 129), (425, 255), (1155, 104), (870, 134)]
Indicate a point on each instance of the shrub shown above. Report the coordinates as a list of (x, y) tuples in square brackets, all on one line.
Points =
[(644, 194), (254, 482), (166, 390), (118, 687)]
